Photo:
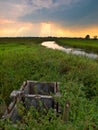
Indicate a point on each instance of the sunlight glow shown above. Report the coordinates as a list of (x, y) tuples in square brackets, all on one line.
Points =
[(44, 29)]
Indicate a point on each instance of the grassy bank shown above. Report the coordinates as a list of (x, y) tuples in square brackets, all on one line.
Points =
[(78, 77), (90, 45)]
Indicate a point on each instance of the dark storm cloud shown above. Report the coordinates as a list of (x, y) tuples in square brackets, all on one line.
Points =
[(83, 13)]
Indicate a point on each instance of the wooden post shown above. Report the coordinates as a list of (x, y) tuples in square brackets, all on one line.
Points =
[(66, 111)]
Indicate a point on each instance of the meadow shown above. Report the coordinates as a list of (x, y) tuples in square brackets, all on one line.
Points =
[(89, 45), (25, 59)]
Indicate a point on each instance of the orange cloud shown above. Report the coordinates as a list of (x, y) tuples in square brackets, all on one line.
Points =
[(5, 21), (15, 28)]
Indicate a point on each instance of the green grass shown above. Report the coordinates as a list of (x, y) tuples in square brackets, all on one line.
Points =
[(25, 59), (88, 45)]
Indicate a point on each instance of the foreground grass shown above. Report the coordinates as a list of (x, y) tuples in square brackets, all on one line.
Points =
[(78, 77)]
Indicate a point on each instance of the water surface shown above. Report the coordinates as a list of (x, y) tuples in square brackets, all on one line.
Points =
[(54, 45)]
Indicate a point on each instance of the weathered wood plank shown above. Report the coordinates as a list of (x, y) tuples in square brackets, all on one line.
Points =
[(30, 93)]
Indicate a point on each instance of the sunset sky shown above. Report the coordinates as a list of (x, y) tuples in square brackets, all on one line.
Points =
[(62, 18)]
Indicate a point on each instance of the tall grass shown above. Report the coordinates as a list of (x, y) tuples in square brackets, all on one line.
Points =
[(78, 77)]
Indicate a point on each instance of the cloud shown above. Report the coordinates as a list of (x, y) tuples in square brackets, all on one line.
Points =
[(15, 28), (21, 17), (68, 13), (12, 9), (41, 3)]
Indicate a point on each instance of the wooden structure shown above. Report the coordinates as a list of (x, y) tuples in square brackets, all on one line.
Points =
[(30, 93)]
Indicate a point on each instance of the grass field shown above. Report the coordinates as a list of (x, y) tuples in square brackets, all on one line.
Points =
[(25, 59)]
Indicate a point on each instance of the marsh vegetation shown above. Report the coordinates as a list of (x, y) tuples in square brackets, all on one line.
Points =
[(25, 59)]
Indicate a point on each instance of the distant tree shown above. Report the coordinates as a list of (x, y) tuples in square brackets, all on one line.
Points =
[(95, 37), (87, 37)]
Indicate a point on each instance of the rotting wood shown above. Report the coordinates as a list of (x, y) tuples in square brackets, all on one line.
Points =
[(45, 92), (66, 111)]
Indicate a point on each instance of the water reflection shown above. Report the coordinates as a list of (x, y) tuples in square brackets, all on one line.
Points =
[(53, 45)]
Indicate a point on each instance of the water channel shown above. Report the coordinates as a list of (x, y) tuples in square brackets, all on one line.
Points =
[(75, 51)]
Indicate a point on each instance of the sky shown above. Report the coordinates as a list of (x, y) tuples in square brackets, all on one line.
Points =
[(61, 18)]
